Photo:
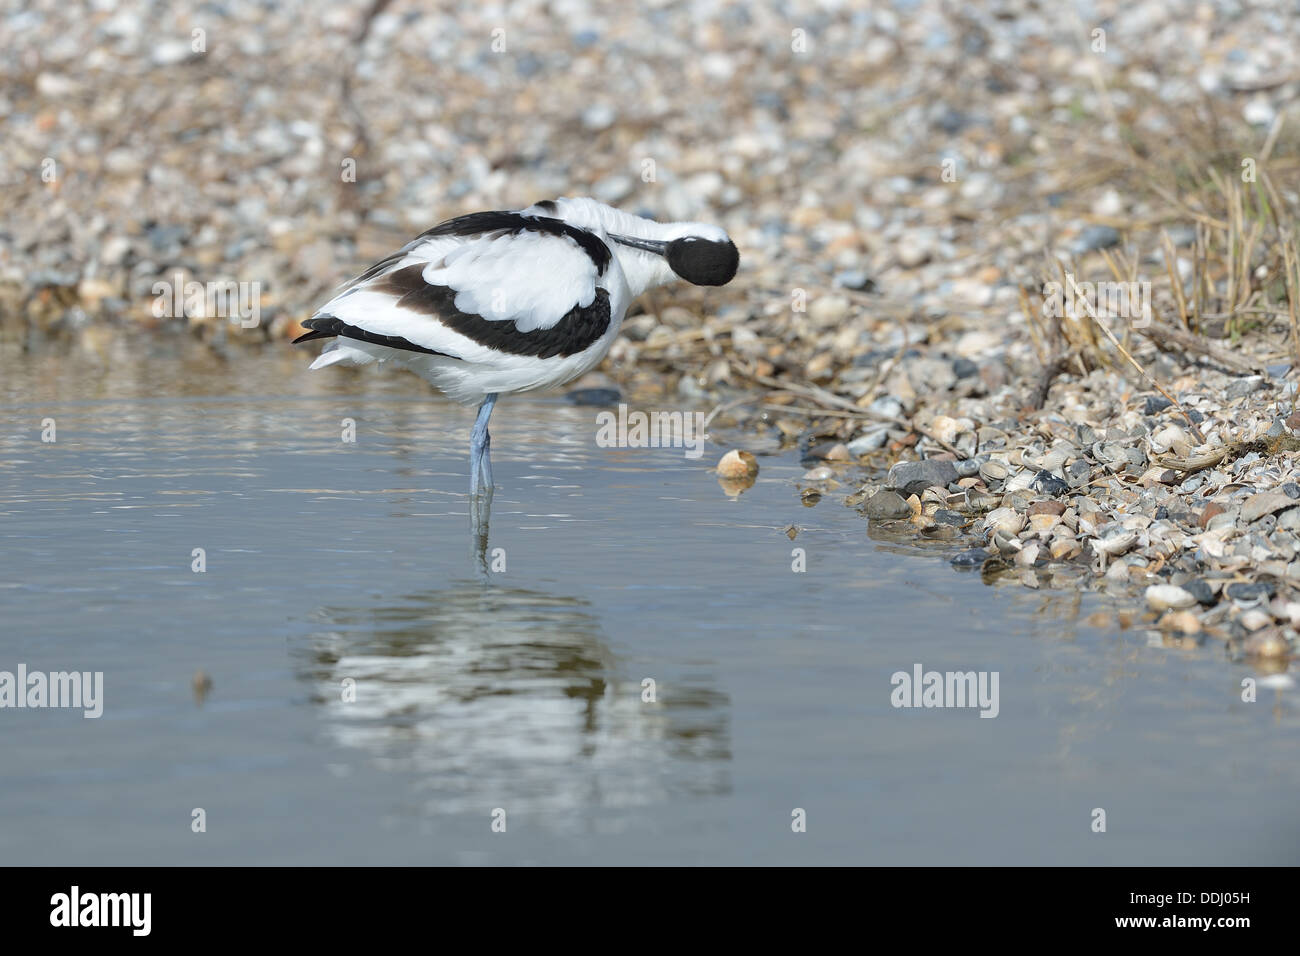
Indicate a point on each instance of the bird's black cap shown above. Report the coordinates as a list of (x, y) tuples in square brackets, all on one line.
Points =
[(703, 261)]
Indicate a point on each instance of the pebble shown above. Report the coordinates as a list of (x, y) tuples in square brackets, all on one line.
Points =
[(872, 438), (594, 396), (1049, 484), (838, 452), (913, 250), (857, 280), (1246, 592), (828, 309), (973, 558), (964, 368), (201, 685), (599, 116), (170, 52), (1212, 511), (1095, 237), (888, 407), (1258, 111), (1243, 387), (914, 477), (1155, 404), (1201, 590), (887, 505)]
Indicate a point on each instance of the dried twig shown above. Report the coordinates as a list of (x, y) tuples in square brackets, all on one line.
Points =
[(1038, 397), (1092, 313), (823, 397), (1171, 338), (1232, 450)]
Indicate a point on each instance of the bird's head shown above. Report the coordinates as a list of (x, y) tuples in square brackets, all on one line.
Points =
[(695, 251)]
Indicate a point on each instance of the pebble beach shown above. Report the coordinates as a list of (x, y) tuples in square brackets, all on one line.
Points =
[(928, 201)]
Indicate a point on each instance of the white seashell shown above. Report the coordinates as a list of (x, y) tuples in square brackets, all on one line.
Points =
[(994, 471), (1161, 597), (1044, 522), (1007, 520), (1118, 571), (1116, 543), (1062, 549), (1021, 480), (1164, 438), (1254, 619), (1028, 554), (1006, 543), (1184, 622), (944, 428), (1054, 460)]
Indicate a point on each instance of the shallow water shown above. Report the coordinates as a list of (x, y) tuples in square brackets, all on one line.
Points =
[(522, 690)]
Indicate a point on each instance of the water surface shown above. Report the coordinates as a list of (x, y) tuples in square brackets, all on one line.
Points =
[(521, 690)]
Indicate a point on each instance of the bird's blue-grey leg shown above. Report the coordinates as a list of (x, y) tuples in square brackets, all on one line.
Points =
[(480, 448), (480, 513)]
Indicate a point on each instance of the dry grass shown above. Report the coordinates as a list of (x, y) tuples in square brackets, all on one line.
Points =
[(1230, 297)]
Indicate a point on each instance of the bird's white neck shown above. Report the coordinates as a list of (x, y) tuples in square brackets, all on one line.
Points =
[(643, 270)]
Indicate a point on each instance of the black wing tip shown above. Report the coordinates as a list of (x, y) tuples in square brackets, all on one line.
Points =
[(328, 327)]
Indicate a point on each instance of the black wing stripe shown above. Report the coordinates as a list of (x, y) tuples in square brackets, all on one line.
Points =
[(477, 223), (578, 330)]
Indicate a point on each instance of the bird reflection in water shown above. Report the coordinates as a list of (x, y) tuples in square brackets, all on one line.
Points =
[(498, 696)]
